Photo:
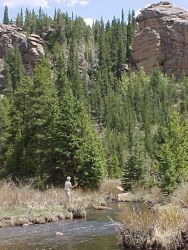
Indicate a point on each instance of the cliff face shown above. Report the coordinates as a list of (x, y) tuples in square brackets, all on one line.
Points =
[(31, 48), (162, 39)]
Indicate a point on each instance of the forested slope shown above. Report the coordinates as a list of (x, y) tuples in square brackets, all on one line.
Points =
[(81, 111)]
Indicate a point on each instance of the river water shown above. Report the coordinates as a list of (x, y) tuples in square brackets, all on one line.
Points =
[(98, 231)]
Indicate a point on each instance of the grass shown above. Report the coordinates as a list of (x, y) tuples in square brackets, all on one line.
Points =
[(144, 226), (26, 204), (159, 227), (159, 222), (110, 187), (180, 196)]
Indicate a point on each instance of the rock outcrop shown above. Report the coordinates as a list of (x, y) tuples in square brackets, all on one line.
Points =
[(31, 48), (162, 39)]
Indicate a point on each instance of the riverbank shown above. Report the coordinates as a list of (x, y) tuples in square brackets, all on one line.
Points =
[(23, 205), (150, 221), (157, 225), (165, 227)]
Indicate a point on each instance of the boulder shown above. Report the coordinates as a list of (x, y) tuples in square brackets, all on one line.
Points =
[(162, 39)]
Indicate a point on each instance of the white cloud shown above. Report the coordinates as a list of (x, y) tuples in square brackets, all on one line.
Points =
[(89, 21), (84, 3), (32, 3), (42, 3), (72, 3)]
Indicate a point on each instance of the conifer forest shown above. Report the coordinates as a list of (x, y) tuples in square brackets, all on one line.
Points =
[(92, 120)]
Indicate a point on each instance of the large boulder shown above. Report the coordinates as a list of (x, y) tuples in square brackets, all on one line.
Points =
[(162, 39)]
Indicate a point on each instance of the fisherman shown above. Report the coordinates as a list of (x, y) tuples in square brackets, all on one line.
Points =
[(68, 187)]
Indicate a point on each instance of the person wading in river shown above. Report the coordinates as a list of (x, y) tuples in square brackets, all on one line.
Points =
[(68, 187)]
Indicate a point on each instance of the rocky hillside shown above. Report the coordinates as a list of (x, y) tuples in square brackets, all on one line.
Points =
[(162, 39), (31, 47)]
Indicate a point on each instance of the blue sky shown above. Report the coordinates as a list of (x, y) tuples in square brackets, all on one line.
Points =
[(88, 9)]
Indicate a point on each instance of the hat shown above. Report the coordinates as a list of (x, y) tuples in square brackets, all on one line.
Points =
[(68, 178)]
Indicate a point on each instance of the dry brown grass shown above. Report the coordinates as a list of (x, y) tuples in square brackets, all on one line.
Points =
[(180, 196), (23, 205), (160, 226), (82, 200), (110, 187), (25, 201), (153, 194), (25, 197)]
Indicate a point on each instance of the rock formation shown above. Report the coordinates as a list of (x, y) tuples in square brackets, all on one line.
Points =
[(162, 39), (31, 48)]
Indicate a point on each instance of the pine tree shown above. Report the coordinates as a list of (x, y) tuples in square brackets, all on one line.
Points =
[(6, 17), (96, 100), (19, 162), (136, 166), (103, 64), (92, 165), (19, 19), (73, 70), (8, 90), (30, 24), (15, 66), (61, 80), (131, 29), (32, 124), (4, 129), (173, 152), (78, 151), (67, 138)]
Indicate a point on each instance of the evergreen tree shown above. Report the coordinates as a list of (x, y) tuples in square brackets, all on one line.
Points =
[(6, 17), (92, 166), (173, 152), (67, 134), (4, 129), (131, 29), (73, 70), (136, 166), (19, 19), (114, 144), (18, 161), (104, 58), (61, 80), (78, 150), (15, 66), (96, 100), (8, 90), (34, 109)]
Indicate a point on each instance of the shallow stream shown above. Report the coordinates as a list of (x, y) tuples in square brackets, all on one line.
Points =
[(98, 231)]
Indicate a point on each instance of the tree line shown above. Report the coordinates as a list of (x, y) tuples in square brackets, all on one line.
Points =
[(92, 121)]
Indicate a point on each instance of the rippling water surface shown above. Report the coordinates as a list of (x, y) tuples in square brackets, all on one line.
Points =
[(98, 232)]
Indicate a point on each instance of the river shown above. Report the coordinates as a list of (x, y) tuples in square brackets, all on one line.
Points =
[(98, 231)]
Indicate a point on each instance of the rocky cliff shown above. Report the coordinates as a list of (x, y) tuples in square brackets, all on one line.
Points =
[(162, 39), (31, 47)]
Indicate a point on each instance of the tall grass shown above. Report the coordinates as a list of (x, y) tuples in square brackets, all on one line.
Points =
[(180, 195), (25, 197), (23, 204), (110, 187), (157, 228)]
